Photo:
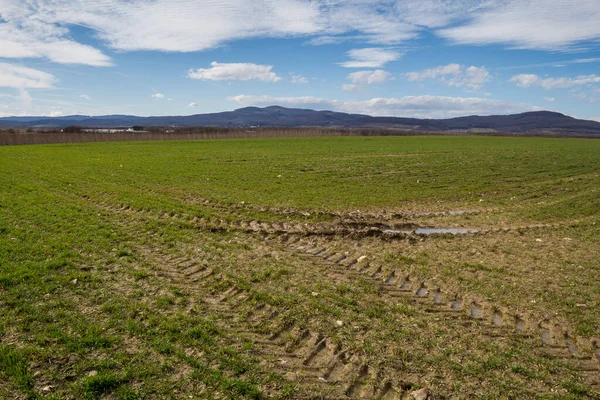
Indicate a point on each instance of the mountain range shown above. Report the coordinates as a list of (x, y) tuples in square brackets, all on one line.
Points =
[(536, 122)]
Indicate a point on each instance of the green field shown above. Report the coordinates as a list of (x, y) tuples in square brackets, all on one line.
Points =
[(273, 268)]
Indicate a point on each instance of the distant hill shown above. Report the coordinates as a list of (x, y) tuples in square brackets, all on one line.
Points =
[(538, 122)]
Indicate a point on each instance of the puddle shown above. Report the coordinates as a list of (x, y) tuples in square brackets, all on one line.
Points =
[(572, 347), (434, 213), (441, 213), (453, 231), (457, 304), (476, 311), (519, 324), (406, 284), (431, 231), (546, 338), (397, 231), (380, 226), (422, 291), (391, 280), (497, 319), (377, 274)]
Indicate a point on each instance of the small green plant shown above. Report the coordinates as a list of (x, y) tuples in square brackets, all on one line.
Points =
[(139, 274), (124, 253), (14, 365), (95, 387)]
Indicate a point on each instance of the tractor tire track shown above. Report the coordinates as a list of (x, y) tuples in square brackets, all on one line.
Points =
[(312, 361), (350, 229), (551, 337)]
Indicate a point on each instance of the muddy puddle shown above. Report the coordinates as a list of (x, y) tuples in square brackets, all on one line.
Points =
[(442, 213), (431, 231), (454, 231)]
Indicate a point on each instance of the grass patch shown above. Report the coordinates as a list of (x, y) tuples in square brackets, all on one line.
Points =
[(95, 387), (83, 281), (13, 365)]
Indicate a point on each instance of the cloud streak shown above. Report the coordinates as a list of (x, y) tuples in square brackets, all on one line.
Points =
[(295, 79), (30, 32), (453, 75), (531, 24), (18, 77), (371, 57), (528, 80)]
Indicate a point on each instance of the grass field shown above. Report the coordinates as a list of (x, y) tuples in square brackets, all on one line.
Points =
[(278, 268)]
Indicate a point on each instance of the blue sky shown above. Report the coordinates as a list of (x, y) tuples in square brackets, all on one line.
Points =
[(413, 58)]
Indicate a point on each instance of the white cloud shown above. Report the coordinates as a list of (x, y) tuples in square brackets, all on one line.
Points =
[(170, 99), (525, 80), (371, 57), (350, 87), (453, 75), (16, 76), (53, 113), (85, 97), (433, 73), (474, 78), (409, 106), (30, 31), (550, 99), (369, 77), (436, 13), (362, 78), (372, 21), (193, 105), (583, 60), (158, 96), (172, 25), (298, 78), (528, 80), (585, 97), (26, 100), (555, 64), (234, 72), (531, 24), (40, 28)]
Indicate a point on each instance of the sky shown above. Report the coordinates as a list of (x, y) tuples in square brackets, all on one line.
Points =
[(410, 58)]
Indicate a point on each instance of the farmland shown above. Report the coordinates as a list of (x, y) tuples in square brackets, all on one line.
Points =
[(298, 268)]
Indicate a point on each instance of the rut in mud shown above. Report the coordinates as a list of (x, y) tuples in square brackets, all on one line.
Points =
[(342, 352)]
